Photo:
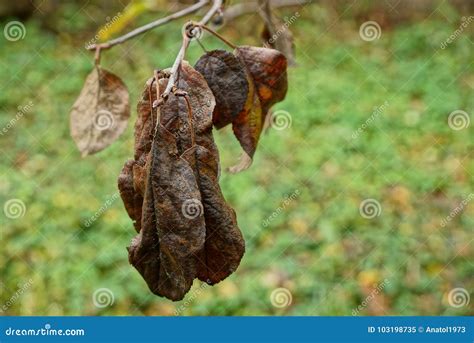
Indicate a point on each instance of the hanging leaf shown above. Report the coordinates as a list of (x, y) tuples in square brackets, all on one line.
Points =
[(132, 199), (225, 245), (247, 128), (267, 67), (132, 179), (186, 228), (100, 114), (226, 77), (165, 250), (268, 84)]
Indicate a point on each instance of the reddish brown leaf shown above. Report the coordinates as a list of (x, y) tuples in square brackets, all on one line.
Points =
[(266, 73), (267, 68)]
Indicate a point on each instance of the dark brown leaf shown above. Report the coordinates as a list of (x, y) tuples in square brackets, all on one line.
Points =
[(224, 245), (187, 230), (132, 199), (226, 77), (166, 249), (100, 114)]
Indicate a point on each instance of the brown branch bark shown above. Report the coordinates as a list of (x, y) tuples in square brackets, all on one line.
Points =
[(162, 21), (247, 7)]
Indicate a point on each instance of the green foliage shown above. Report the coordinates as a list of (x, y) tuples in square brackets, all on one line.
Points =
[(316, 244)]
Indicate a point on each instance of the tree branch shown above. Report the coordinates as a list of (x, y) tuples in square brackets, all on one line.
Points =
[(235, 11), (152, 25), (188, 34)]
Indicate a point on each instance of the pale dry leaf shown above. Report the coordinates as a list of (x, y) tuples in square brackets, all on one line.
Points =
[(100, 114)]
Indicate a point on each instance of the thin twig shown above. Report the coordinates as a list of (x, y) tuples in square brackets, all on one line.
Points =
[(149, 26), (174, 69), (215, 7), (237, 10), (187, 35)]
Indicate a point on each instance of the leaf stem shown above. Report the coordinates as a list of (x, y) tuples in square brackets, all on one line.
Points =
[(208, 29)]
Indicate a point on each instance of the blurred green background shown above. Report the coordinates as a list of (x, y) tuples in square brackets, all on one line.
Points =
[(298, 205)]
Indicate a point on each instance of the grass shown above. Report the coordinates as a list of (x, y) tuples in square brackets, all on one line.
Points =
[(298, 205)]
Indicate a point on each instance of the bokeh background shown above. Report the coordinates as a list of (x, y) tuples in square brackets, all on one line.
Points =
[(361, 204)]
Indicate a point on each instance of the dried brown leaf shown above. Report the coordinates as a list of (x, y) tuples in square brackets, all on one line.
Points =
[(100, 114), (227, 79), (267, 77)]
